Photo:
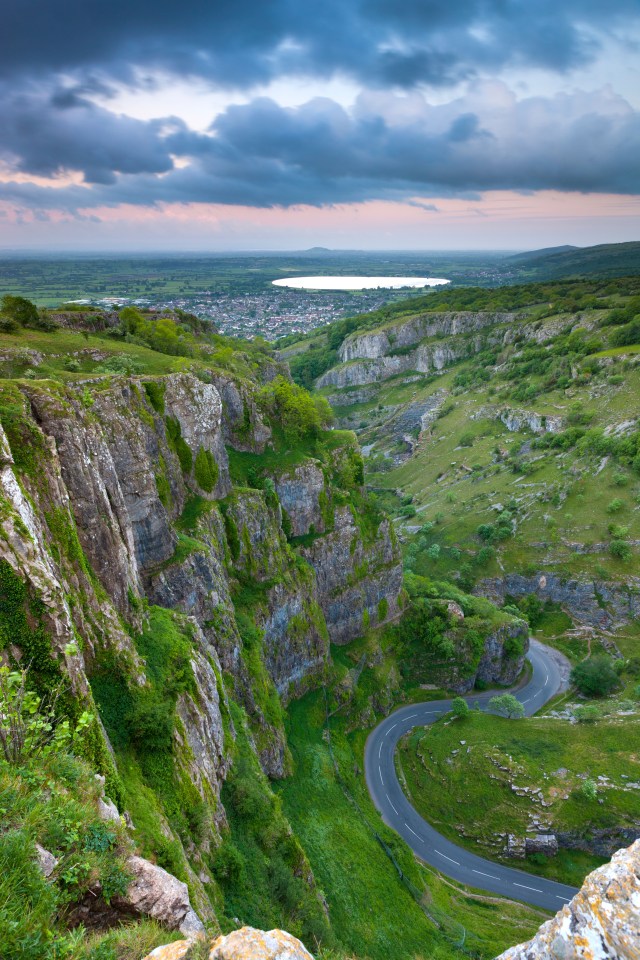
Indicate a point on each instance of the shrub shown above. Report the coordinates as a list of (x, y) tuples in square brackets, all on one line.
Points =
[(459, 707), (595, 677), (586, 713), (206, 470), (615, 506), (177, 443), (620, 549), (506, 705), (28, 725), (589, 790)]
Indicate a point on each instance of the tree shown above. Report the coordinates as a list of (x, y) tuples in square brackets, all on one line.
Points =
[(506, 705), (459, 707), (21, 311), (595, 677), (294, 410)]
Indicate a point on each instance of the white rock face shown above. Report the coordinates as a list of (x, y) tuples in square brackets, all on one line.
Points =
[(244, 944), (602, 922), (250, 944)]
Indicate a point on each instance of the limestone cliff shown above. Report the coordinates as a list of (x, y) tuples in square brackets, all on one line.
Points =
[(602, 922), (183, 606)]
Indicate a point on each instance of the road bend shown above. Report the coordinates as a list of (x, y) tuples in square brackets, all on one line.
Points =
[(547, 678)]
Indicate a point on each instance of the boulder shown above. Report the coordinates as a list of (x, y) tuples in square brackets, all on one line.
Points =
[(600, 923), (250, 944), (46, 861), (155, 893)]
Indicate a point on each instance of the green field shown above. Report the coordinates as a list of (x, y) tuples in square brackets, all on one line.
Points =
[(476, 760)]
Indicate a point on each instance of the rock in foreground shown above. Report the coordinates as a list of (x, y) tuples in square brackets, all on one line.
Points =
[(244, 944), (602, 922)]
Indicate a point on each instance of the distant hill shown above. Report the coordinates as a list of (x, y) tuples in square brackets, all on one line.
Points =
[(544, 252), (604, 260)]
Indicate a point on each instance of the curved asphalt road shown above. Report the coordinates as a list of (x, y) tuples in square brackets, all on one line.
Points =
[(427, 843)]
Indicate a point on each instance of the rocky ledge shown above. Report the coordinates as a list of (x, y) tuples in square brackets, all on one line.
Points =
[(244, 944), (602, 922)]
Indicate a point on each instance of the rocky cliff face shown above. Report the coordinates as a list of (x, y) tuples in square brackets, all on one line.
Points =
[(595, 603), (601, 922), (119, 521), (380, 343)]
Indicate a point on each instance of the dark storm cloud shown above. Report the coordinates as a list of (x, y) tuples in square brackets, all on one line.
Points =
[(246, 42), (387, 147), (44, 132)]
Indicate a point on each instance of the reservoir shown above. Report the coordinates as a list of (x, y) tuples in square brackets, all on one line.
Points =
[(357, 283)]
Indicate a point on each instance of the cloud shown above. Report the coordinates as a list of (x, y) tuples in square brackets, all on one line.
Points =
[(45, 132), (249, 42), (263, 155)]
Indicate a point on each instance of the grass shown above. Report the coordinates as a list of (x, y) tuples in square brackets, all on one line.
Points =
[(545, 753), (372, 913), (53, 801)]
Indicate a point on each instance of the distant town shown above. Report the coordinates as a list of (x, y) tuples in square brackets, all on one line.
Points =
[(270, 314)]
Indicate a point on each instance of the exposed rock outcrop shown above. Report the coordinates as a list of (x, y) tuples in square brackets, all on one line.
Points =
[(596, 603), (152, 892), (244, 944), (380, 343), (358, 583), (601, 922)]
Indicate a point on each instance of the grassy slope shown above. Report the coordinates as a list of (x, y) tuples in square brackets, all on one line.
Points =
[(439, 483), (372, 914), (542, 752)]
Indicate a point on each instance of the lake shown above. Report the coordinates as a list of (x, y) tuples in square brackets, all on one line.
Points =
[(358, 283)]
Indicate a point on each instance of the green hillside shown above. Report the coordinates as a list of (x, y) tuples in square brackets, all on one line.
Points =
[(603, 260)]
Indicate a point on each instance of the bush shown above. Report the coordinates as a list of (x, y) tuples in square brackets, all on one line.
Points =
[(627, 335), (28, 725), (506, 705), (615, 506), (586, 713), (459, 707), (20, 311), (294, 410), (595, 677), (620, 549), (206, 470)]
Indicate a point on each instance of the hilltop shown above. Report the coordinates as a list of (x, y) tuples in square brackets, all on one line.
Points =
[(603, 260)]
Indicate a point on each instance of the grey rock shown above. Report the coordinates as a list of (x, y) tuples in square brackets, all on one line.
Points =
[(46, 860)]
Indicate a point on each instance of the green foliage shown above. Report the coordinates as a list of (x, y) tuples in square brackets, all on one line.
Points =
[(177, 443), (162, 483), (260, 866), (586, 713), (627, 335), (595, 677), (383, 609), (459, 707), (155, 390), (589, 790), (291, 408), (206, 470), (52, 798), (19, 311), (29, 727), (506, 705), (620, 549), (231, 531)]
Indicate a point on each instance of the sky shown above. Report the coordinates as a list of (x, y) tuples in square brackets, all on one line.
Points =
[(203, 125)]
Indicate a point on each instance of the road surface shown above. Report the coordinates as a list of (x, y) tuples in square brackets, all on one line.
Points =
[(548, 678)]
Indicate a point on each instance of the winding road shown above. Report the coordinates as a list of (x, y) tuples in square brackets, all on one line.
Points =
[(549, 677)]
